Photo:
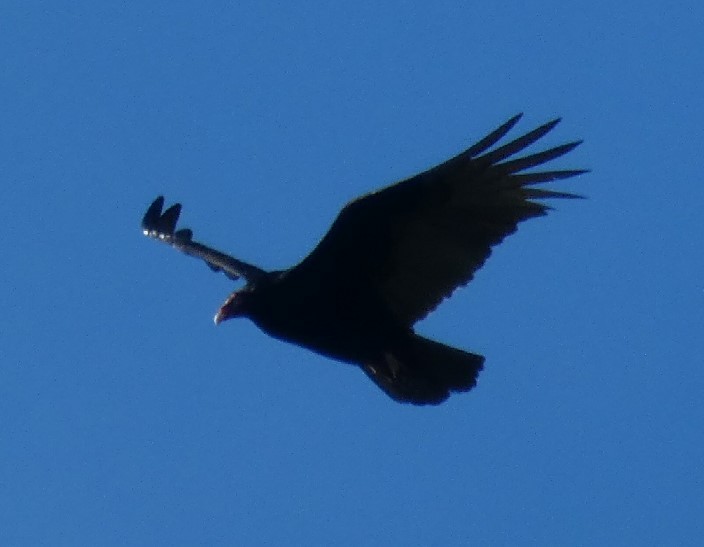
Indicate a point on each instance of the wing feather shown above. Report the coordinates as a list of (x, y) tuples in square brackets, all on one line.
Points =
[(162, 227), (416, 241)]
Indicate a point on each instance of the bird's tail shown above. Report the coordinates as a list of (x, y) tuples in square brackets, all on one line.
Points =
[(424, 372)]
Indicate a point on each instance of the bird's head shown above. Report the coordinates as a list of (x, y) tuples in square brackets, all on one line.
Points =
[(236, 305)]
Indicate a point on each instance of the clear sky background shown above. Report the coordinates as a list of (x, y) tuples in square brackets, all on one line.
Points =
[(127, 418)]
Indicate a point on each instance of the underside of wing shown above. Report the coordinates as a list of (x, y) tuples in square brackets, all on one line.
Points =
[(162, 227), (418, 240)]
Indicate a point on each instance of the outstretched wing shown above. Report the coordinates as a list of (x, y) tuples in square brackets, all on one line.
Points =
[(162, 227), (415, 242)]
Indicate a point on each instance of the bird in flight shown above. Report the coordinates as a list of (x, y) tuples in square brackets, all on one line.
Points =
[(388, 260)]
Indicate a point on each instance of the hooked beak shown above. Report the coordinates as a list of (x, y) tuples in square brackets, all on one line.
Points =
[(220, 316), (229, 309)]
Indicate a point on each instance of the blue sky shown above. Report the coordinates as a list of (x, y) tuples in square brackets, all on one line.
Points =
[(127, 418)]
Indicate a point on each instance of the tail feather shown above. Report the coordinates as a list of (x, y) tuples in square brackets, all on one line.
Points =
[(422, 372)]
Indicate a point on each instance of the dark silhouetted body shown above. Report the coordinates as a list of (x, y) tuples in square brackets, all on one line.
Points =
[(389, 259)]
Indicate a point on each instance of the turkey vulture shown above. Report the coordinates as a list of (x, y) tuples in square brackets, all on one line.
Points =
[(388, 260)]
